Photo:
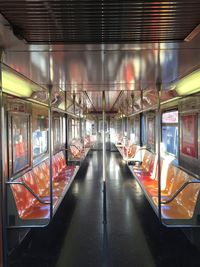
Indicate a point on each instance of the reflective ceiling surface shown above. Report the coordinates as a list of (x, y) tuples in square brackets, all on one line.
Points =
[(92, 68)]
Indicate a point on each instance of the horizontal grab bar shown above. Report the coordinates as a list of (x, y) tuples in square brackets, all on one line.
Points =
[(31, 191), (180, 190)]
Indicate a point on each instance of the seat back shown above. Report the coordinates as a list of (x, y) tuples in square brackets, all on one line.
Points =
[(132, 150), (87, 141), (59, 161), (168, 179), (75, 151), (41, 179), (29, 179), (180, 178), (188, 198), (23, 198), (44, 166), (62, 160), (55, 167), (147, 160)]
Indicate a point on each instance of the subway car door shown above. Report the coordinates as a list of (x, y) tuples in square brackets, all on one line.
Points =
[(99, 143)]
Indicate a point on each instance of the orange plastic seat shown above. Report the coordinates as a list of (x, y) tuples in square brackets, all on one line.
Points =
[(172, 179), (37, 186), (145, 166), (87, 141), (61, 161), (130, 150), (75, 152), (38, 180), (27, 205), (145, 171), (44, 182), (183, 206), (175, 179)]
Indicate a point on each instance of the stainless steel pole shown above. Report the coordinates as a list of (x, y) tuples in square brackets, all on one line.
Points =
[(50, 151), (104, 162)]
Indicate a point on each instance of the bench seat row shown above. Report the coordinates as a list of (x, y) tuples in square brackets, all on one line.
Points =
[(38, 181), (129, 151), (77, 150), (172, 179)]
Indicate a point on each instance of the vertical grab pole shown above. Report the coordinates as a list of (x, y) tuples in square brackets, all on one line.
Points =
[(3, 193), (158, 147), (127, 134), (104, 162), (50, 152), (159, 138)]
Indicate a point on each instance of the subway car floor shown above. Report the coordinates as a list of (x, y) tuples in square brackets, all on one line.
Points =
[(132, 236)]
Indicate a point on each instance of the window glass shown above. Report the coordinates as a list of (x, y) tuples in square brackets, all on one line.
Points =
[(170, 139), (170, 132), (20, 141), (151, 132), (73, 128), (137, 131), (56, 135), (143, 133), (64, 130), (77, 129), (40, 132)]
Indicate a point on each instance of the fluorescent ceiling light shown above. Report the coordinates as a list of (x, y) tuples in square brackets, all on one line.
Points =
[(190, 84), (15, 85)]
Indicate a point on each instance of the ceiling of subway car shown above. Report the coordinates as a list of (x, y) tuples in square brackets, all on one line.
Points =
[(101, 21), (146, 49)]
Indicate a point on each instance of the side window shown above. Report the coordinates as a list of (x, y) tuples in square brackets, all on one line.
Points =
[(151, 132), (143, 130), (56, 133), (64, 130), (137, 131), (59, 131), (73, 128), (19, 142), (40, 131), (170, 132)]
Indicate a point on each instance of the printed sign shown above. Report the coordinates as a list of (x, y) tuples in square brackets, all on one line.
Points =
[(170, 117), (189, 135)]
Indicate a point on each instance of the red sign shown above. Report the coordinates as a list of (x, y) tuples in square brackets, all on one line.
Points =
[(189, 135)]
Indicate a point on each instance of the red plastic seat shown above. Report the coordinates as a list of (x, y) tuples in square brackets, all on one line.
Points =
[(130, 150), (87, 141), (38, 180), (75, 152), (34, 181), (27, 205), (146, 171), (183, 206)]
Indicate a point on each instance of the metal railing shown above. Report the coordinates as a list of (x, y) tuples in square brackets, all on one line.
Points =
[(30, 190), (179, 191)]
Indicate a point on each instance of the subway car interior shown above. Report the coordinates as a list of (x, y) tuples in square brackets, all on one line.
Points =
[(99, 133)]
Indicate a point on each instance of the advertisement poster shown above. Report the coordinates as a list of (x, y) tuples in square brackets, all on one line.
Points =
[(151, 128), (189, 135)]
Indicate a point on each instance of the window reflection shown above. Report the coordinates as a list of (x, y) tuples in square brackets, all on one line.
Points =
[(170, 132), (40, 132), (20, 140)]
